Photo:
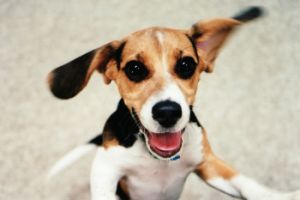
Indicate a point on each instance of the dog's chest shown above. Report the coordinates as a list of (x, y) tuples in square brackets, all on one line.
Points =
[(152, 179), (157, 181)]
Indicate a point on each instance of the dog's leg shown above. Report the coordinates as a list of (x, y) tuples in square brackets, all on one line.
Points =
[(224, 178), (105, 174)]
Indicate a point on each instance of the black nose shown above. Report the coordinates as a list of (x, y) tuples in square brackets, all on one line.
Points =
[(166, 113)]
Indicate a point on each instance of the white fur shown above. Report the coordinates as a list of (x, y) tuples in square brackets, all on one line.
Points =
[(244, 187), (160, 37), (147, 177), (106, 171), (164, 53), (152, 179), (244, 183), (70, 158), (252, 190), (224, 185)]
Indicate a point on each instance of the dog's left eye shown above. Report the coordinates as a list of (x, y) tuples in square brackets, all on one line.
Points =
[(136, 71), (185, 67)]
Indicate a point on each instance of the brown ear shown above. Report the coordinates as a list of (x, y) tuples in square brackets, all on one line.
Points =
[(69, 79), (209, 36)]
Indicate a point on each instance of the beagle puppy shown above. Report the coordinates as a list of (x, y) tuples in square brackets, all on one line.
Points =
[(153, 140)]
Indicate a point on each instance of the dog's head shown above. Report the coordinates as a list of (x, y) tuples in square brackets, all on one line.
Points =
[(157, 71)]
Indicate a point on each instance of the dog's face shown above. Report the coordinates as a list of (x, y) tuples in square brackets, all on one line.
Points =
[(157, 71), (158, 76)]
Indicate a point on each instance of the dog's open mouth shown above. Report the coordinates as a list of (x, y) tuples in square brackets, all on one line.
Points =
[(165, 144)]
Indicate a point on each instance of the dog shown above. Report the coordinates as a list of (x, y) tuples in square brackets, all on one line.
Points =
[(153, 140)]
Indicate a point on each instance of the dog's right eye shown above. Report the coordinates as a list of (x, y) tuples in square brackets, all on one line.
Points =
[(136, 71)]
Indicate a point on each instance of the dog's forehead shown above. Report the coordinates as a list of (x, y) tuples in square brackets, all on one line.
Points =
[(156, 41), (158, 34)]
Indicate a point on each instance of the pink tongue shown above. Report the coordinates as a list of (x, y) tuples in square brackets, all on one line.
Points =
[(165, 141)]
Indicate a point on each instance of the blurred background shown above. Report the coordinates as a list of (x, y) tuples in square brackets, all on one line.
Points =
[(250, 105)]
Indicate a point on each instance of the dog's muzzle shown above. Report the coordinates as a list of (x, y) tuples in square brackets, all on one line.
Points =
[(165, 145)]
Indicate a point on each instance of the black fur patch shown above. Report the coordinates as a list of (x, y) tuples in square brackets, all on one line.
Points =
[(196, 32), (118, 54), (67, 80), (122, 195), (122, 126), (193, 117), (98, 140), (194, 46), (249, 14)]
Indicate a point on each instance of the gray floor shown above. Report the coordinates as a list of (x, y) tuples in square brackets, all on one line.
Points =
[(250, 105)]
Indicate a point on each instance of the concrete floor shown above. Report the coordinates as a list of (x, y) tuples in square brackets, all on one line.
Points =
[(250, 105)]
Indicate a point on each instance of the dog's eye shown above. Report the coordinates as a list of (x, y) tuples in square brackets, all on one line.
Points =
[(185, 67), (136, 71)]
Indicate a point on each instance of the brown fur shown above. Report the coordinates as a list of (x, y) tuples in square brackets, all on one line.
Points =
[(212, 167), (123, 185), (109, 140), (210, 36)]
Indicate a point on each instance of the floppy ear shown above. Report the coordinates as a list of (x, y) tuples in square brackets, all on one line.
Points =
[(209, 36), (69, 79)]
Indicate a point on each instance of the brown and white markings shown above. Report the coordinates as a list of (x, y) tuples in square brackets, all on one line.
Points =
[(153, 141)]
